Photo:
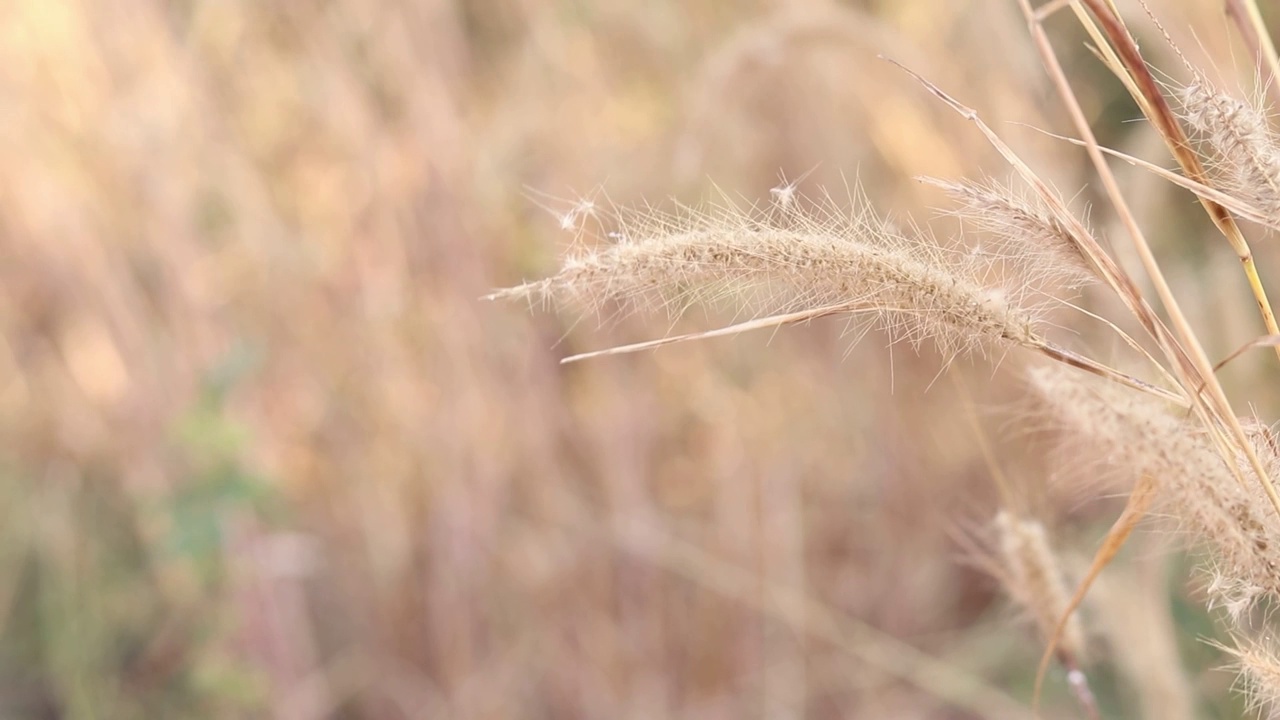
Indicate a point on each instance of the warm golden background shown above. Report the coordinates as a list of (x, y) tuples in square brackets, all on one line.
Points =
[(264, 452)]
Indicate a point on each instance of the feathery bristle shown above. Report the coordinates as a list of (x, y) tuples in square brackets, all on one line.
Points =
[(1259, 668), (1026, 234)]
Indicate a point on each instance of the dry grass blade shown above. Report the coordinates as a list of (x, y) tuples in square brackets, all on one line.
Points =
[(1231, 202), (1075, 360), (1189, 359), (757, 324), (1136, 508), (1264, 341), (1161, 115)]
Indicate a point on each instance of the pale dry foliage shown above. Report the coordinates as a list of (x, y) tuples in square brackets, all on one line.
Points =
[(1177, 439), (264, 452)]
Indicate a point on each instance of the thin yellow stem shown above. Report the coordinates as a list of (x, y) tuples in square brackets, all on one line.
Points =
[(1128, 53), (1123, 58)]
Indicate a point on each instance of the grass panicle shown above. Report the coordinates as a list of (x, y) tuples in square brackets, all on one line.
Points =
[(817, 259), (1241, 151), (1033, 577), (1025, 232), (1195, 485), (1258, 664)]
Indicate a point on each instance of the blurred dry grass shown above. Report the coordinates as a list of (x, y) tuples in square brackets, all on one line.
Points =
[(265, 454)]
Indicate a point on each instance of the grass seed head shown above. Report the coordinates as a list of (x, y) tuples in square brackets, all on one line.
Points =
[(1241, 152), (1259, 667), (814, 258), (1036, 581), (1231, 518), (1025, 234)]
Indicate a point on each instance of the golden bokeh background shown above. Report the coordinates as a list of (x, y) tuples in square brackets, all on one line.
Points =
[(264, 452)]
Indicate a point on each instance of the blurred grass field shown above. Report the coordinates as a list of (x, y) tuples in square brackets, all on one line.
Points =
[(265, 453)]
